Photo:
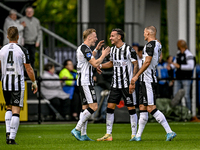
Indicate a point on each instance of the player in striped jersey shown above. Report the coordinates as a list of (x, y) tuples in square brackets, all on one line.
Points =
[(148, 81), (122, 56), (13, 58), (86, 62)]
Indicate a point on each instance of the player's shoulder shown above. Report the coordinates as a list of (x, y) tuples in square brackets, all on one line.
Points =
[(85, 48), (151, 44), (24, 50)]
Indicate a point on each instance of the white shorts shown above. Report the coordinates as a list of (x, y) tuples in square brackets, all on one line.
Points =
[(88, 95), (147, 93)]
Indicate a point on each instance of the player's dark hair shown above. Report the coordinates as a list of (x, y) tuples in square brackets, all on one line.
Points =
[(13, 33), (120, 32), (48, 66)]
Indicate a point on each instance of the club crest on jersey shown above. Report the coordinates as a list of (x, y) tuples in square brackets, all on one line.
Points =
[(149, 45), (88, 55)]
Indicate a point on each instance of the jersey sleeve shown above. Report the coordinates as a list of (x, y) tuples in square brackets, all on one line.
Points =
[(150, 48), (86, 52), (133, 54), (26, 57)]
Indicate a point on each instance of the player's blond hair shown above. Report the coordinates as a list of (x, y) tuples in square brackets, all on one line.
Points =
[(87, 32), (13, 33)]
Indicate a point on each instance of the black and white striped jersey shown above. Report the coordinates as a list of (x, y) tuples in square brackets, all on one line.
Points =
[(13, 57), (84, 68), (122, 59), (152, 48)]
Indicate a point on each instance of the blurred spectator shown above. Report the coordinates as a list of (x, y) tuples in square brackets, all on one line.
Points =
[(184, 64), (52, 90), (70, 86), (32, 33), (11, 20)]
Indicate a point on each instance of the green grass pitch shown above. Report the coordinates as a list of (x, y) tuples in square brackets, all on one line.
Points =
[(58, 137)]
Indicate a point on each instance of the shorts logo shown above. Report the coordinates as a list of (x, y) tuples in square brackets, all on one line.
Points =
[(16, 101), (93, 92), (128, 100), (88, 55), (84, 99), (144, 100)]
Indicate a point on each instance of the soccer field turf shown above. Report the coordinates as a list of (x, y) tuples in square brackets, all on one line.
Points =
[(58, 136)]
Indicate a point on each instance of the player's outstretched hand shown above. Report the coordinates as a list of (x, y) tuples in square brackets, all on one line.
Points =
[(101, 43), (106, 51), (34, 87)]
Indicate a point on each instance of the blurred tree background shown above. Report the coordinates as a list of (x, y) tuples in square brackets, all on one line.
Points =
[(62, 14)]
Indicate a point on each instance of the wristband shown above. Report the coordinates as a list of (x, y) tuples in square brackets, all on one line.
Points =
[(100, 66), (95, 50), (34, 82)]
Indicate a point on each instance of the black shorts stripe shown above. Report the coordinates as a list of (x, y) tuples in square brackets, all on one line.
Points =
[(82, 95), (7, 81), (90, 78), (79, 80)]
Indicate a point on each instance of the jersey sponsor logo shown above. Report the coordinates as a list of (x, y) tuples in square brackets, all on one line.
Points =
[(119, 64), (149, 45), (10, 69), (88, 55)]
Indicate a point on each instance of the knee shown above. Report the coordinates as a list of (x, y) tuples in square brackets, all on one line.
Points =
[(94, 106), (111, 105), (150, 108)]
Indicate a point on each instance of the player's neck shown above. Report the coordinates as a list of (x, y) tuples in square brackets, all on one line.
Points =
[(87, 43), (13, 42), (119, 44), (151, 39)]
